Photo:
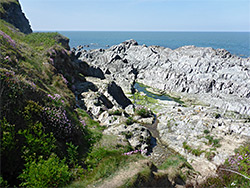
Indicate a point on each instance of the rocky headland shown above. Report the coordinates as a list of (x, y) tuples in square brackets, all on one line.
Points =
[(82, 117), (214, 77), (211, 119)]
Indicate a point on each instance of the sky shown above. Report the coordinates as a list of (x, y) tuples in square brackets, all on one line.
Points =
[(138, 15)]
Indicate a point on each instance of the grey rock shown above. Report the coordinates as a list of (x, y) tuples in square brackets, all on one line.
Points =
[(130, 109), (116, 92), (149, 120), (209, 74), (138, 136)]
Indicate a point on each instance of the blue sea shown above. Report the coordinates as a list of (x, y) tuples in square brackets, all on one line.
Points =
[(237, 43)]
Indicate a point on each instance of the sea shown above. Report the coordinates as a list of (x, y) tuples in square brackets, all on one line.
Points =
[(237, 43)]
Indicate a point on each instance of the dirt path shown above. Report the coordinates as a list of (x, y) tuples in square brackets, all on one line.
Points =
[(120, 178)]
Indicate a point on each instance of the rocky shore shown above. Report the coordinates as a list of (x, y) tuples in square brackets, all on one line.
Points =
[(184, 110), (213, 84), (214, 77)]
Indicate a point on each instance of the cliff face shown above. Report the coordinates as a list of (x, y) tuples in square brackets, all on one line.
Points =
[(11, 12)]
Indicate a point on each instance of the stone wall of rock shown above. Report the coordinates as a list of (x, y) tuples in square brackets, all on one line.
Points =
[(12, 13), (213, 75)]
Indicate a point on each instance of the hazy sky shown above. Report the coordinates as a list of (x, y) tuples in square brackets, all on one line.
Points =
[(138, 15)]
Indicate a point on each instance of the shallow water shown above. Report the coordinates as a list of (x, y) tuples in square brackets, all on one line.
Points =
[(141, 88)]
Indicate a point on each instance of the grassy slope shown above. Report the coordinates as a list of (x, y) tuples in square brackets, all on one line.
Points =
[(27, 80), (28, 75)]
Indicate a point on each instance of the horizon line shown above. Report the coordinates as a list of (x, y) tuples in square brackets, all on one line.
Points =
[(134, 31)]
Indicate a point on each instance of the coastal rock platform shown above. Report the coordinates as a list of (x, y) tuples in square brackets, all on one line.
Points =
[(211, 119)]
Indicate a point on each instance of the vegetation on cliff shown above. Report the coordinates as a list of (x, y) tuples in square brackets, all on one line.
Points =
[(46, 141), (41, 133)]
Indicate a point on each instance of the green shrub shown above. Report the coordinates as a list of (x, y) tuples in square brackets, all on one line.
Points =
[(212, 141), (206, 131), (196, 152), (37, 143), (10, 152), (129, 121), (52, 172), (186, 146), (127, 134), (116, 112), (72, 153), (32, 112), (209, 155), (3, 183), (7, 140), (143, 111)]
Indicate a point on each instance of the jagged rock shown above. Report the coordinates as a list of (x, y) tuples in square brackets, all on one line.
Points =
[(214, 80), (207, 73), (149, 120), (138, 136), (116, 92), (130, 109)]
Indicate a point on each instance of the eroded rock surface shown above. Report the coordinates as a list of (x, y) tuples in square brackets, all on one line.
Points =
[(214, 76), (214, 84)]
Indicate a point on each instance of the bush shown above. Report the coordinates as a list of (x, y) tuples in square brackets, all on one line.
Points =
[(72, 154), (129, 121), (143, 111), (46, 173), (10, 153), (3, 183), (116, 112), (37, 142), (206, 131)]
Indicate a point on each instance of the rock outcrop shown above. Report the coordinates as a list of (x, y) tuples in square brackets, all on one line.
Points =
[(214, 84), (11, 12), (103, 99), (214, 76)]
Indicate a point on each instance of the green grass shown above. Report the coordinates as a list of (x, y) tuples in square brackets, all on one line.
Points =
[(196, 152), (173, 161), (26, 76), (144, 99), (140, 179), (214, 142), (174, 166), (41, 41), (232, 179), (104, 160), (115, 112)]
